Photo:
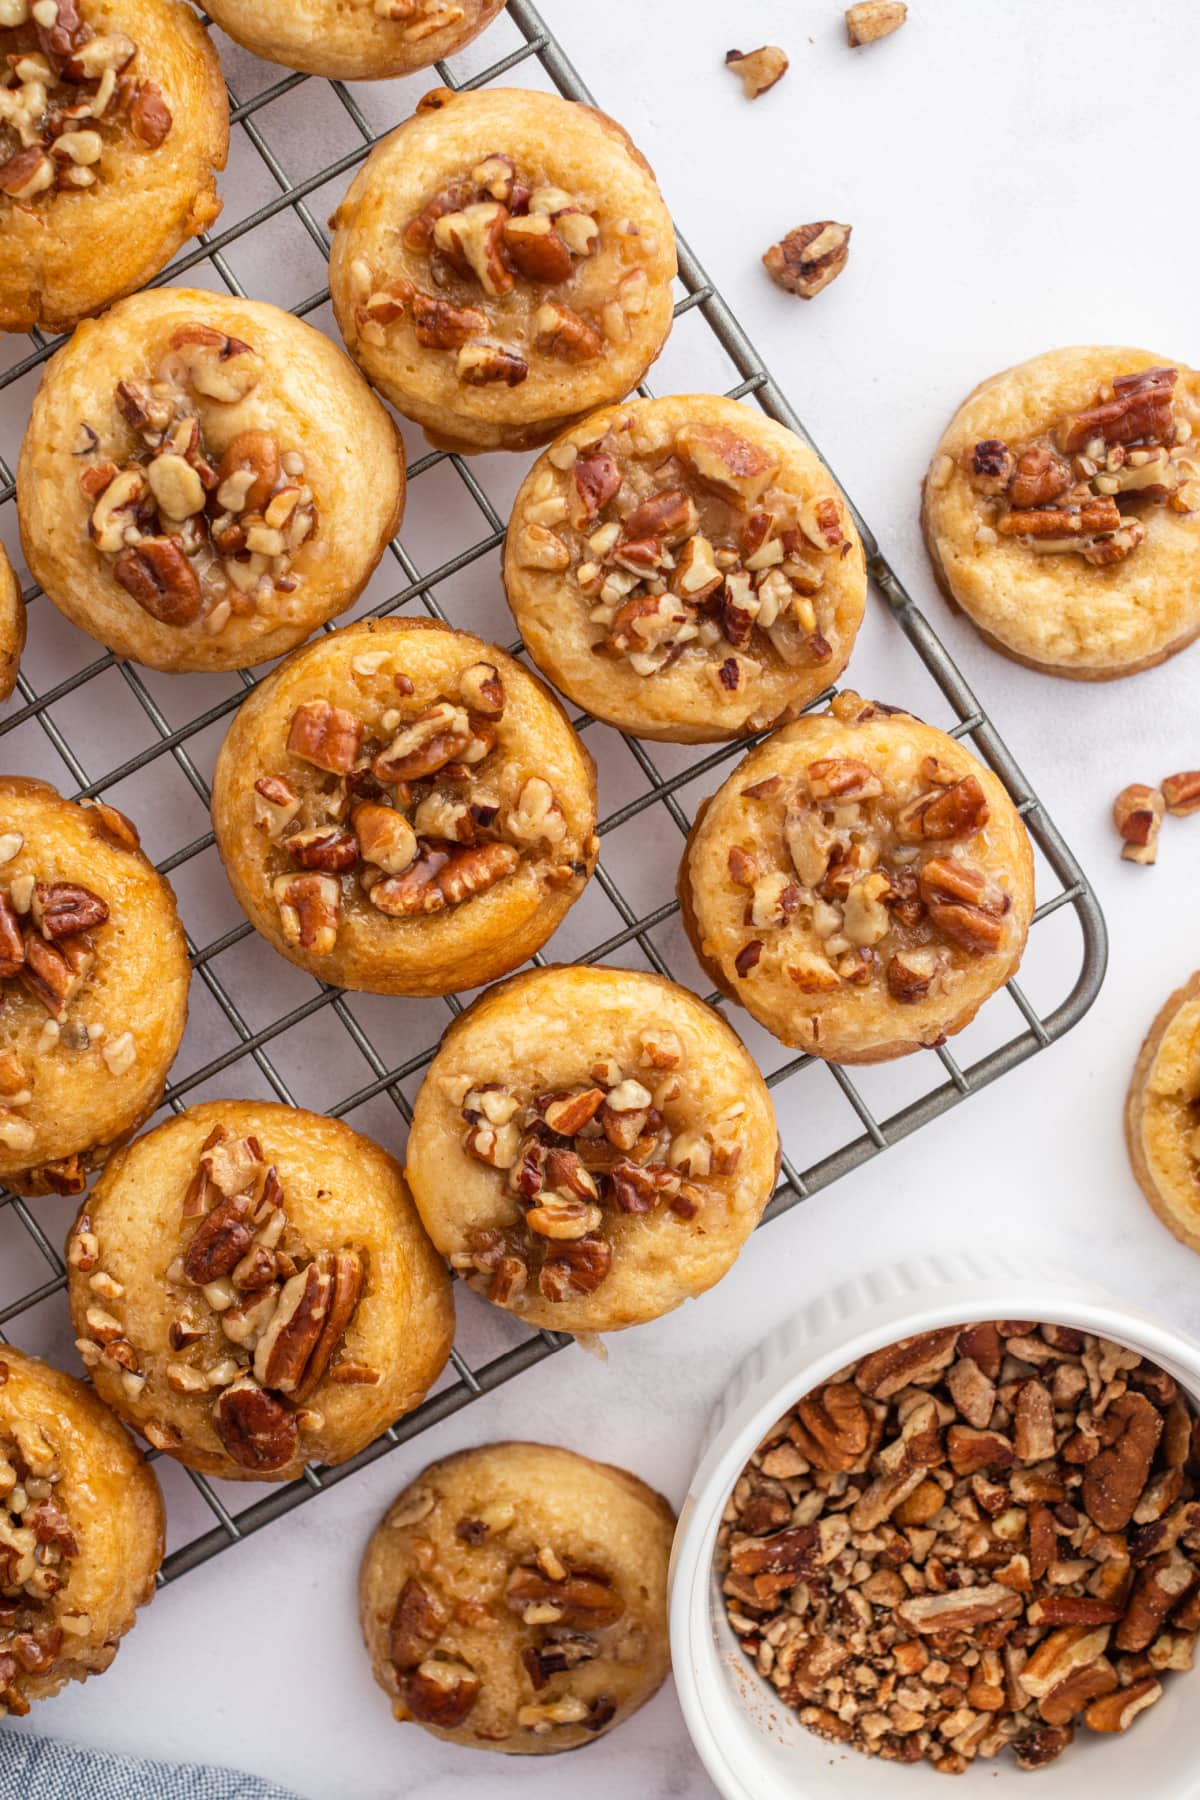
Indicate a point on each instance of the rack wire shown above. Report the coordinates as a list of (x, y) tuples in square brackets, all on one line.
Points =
[(264, 1029)]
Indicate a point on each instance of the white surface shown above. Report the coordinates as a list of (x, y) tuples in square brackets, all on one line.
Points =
[(753, 1747), (1014, 175)]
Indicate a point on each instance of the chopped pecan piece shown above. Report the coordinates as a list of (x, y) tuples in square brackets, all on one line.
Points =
[(809, 258), (758, 70), (869, 20), (559, 331), (326, 736), (417, 1623), (309, 911), (1137, 815), (442, 1691), (575, 1269), (832, 1427)]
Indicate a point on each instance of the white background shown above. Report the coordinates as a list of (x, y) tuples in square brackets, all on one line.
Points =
[(1016, 175)]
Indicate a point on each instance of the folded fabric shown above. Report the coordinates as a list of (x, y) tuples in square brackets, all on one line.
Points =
[(34, 1768)]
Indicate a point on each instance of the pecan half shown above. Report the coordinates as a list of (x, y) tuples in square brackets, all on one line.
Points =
[(62, 909), (158, 575), (1140, 411), (957, 896), (257, 1430), (220, 1240), (282, 1354), (1113, 1480), (963, 1609)]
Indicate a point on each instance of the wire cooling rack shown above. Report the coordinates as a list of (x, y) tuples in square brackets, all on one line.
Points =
[(261, 1028)]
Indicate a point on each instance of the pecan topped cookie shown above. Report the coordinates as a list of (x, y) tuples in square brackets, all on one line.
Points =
[(12, 626), (184, 497), (253, 1290), (1162, 1114), (113, 121), (591, 1146), (402, 808), (978, 1540), (361, 40), (861, 884), (1062, 510), (529, 280), (514, 1598), (93, 986), (82, 1528), (685, 568)]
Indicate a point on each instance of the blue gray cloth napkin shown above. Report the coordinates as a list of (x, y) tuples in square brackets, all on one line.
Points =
[(34, 1768)]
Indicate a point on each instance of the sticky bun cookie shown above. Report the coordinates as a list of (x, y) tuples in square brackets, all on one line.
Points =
[(93, 986), (1062, 511), (12, 626), (365, 40), (860, 884), (113, 122), (205, 480), (514, 1598), (591, 1147), (253, 1290), (403, 808), (685, 569), (502, 264), (82, 1522), (1162, 1114)]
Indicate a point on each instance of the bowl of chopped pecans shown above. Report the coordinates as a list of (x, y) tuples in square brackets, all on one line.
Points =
[(948, 1516)]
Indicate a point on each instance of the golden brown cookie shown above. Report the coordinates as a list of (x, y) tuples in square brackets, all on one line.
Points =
[(364, 40), (113, 122), (861, 884), (94, 976), (685, 569), (205, 480), (83, 1528), (1062, 511), (591, 1147), (514, 1598), (12, 626), (253, 1290), (502, 264), (1162, 1114), (403, 808)]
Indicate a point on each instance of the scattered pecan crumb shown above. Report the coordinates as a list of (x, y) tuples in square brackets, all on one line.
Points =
[(872, 19), (1181, 793), (759, 69), (1137, 814), (809, 258)]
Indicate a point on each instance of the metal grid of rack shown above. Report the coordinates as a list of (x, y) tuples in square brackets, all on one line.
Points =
[(271, 1047)]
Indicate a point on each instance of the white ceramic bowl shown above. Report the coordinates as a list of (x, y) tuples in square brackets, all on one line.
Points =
[(752, 1745)]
